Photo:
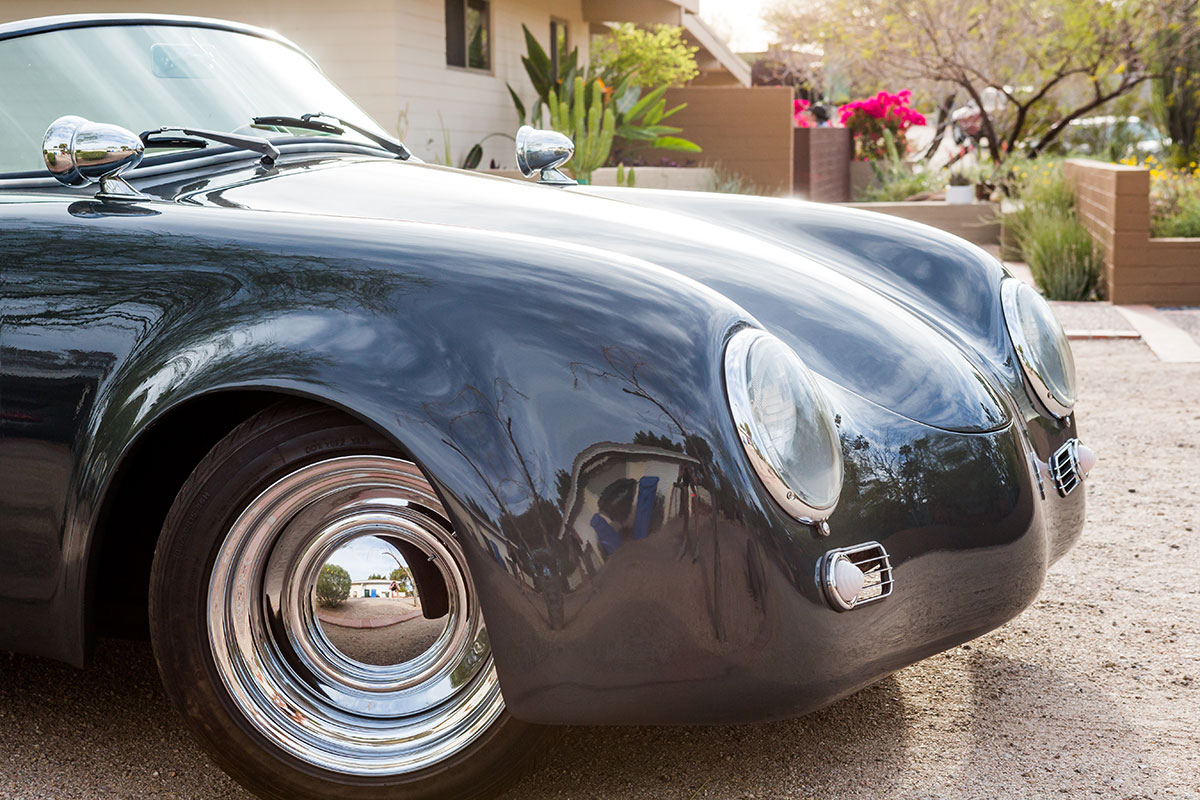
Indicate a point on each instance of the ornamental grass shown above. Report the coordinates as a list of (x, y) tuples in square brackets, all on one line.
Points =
[(1065, 261)]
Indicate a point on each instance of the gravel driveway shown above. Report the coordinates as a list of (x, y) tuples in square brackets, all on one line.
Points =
[(1092, 692)]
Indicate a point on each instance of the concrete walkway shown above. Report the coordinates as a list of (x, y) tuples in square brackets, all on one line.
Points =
[(1168, 341)]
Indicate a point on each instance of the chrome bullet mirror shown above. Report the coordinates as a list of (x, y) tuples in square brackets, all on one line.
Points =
[(78, 152), (544, 151)]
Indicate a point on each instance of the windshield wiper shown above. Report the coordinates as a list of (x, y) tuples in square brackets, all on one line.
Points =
[(255, 144), (308, 122)]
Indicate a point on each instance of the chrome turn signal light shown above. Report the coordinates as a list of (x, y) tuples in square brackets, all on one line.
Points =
[(855, 576)]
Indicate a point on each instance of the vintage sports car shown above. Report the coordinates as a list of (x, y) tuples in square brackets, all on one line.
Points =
[(399, 465)]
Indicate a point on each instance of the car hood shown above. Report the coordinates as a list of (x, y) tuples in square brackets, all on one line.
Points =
[(848, 333)]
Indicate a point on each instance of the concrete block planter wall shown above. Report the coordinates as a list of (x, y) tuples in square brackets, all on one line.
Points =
[(862, 175), (688, 179), (1113, 202), (507, 173), (977, 222)]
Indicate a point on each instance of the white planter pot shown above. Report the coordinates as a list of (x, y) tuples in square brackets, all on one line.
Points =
[(960, 195)]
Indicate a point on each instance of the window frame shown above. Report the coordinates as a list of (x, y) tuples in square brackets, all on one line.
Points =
[(462, 47), (557, 23)]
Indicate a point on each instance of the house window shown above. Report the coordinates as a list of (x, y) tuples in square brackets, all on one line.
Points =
[(468, 29), (558, 44)]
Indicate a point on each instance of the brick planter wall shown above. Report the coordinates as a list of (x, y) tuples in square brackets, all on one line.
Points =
[(821, 164), (1113, 202)]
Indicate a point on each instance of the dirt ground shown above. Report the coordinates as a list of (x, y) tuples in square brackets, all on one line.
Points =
[(390, 644), (1092, 692), (394, 644), (354, 609)]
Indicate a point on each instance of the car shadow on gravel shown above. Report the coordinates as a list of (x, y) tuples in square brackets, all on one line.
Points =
[(967, 723), (861, 737), (110, 730)]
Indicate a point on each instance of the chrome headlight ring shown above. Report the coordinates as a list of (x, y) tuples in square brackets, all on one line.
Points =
[(785, 425), (1042, 347)]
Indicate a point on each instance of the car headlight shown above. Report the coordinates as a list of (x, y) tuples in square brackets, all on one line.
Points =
[(784, 423), (1042, 346)]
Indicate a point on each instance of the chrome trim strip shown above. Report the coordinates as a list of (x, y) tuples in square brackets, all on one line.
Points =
[(1042, 391), (1064, 467), (787, 496)]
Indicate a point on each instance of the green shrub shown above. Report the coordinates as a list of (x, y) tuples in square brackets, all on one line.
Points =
[(726, 181), (1065, 262), (1174, 202), (1042, 191), (897, 184), (896, 179), (1046, 189), (1184, 222), (333, 586), (659, 57), (1016, 225)]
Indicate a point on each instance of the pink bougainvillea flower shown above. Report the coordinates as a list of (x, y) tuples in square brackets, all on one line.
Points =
[(800, 113), (870, 118)]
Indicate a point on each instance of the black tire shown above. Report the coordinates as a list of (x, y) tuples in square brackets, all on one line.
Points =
[(277, 442)]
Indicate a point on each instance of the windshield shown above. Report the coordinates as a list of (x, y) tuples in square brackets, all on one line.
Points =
[(146, 76)]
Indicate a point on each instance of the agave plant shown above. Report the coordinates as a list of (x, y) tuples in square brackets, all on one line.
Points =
[(639, 121), (637, 115), (544, 78)]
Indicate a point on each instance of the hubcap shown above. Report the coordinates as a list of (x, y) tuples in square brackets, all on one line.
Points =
[(366, 686)]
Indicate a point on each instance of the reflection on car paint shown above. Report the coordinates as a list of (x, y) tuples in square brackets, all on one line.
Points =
[(543, 388)]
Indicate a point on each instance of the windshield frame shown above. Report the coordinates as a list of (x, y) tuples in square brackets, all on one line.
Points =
[(30, 27)]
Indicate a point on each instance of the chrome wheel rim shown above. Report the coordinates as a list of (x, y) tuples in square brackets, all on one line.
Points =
[(287, 678)]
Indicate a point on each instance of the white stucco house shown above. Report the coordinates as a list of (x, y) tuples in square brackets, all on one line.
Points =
[(411, 63), (376, 588)]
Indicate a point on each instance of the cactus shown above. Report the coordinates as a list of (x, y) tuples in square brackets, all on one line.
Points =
[(591, 128), (624, 178)]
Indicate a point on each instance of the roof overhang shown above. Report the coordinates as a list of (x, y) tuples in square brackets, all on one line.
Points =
[(716, 49), (642, 12)]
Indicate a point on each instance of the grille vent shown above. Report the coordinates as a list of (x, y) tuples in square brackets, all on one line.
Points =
[(1064, 467), (876, 570)]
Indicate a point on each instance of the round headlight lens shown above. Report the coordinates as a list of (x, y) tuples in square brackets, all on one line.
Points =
[(1042, 346), (784, 423)]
